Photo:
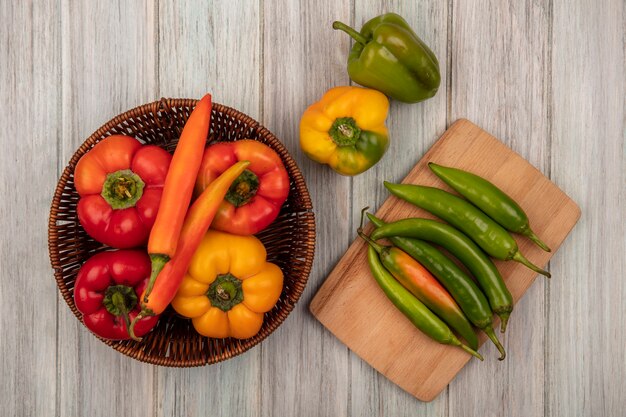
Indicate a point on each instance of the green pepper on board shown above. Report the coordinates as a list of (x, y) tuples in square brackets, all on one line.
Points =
[(460, 286), (464, 249), (388, 56), (421, 317), (415, 278), (488, 234), (490, 199)]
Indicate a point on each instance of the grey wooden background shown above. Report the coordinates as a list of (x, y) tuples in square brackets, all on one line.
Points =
[(547, 77)]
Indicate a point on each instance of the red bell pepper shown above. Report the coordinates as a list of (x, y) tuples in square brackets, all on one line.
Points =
[(255, 198), (120, 183), (107, 289)]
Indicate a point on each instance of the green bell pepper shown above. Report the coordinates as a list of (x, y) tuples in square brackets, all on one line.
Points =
[(388, 56)]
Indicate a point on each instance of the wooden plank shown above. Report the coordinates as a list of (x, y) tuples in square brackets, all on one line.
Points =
[(109, 66), (413, 128), (29, 73), (585, 345), (378, 332), (500, 79), (554, 94), (211, 47), (304, 368)]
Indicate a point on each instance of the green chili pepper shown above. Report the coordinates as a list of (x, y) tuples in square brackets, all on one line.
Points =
[(490, 199), (464, 249), (415, 278), (466, 293), (489, 235), (388, 56), (424, 319)]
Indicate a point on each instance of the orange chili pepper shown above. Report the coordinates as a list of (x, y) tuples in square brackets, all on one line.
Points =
[(415, 278), (178, 188), (197, 222)]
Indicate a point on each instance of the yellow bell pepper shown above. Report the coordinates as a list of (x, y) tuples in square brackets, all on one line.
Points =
[(346, 129), (228, 286)]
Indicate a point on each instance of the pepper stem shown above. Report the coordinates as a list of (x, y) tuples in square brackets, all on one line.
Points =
[(145, 312), (471, 351), (126, 321), (378, 248), (532, 236), (243, 189), (131, 328), (522, 259), (504, 320), (492, 335), (344, 131), (363, 211), (225, 292), (119, 300), (353, 33), (122, 189), (158, 262)]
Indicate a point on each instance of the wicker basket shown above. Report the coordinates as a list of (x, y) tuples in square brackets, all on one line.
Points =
[(290, 240)]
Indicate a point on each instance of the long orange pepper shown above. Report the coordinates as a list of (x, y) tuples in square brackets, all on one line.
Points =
[(178, 188), (415, 278), (197, 222)]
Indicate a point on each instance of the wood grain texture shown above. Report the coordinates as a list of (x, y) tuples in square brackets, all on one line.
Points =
[(352, 306), (547, 77), (305, 369), (500, 79), (29, 74), (585, 342), (107, 67), (202, 48), (412, 129)]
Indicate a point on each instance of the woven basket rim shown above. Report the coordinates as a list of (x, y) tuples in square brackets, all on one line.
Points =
[(163, 106)]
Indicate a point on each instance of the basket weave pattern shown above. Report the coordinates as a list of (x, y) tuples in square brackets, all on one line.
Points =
[(290, 240)]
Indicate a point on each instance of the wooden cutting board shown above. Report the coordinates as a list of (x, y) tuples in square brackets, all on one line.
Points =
[(352, 306)]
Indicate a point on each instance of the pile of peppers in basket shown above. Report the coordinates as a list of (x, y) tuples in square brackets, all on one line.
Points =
[(139, 196), (428, 287), (346, 128)]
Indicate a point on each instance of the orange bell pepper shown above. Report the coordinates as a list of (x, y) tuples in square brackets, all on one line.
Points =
[(229, 286)]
